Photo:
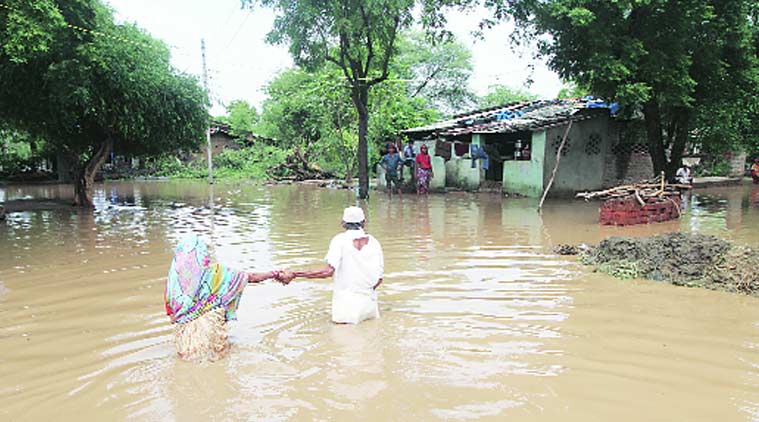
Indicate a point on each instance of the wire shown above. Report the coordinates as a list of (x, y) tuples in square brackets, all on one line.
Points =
[(239, 28)]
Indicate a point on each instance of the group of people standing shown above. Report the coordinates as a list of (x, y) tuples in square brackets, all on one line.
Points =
[(421, 166)]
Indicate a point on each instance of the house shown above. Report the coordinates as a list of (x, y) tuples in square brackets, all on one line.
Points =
[(521, 140), (222, 139)]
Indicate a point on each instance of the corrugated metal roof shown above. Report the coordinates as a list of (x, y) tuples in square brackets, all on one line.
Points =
[(514, 117)]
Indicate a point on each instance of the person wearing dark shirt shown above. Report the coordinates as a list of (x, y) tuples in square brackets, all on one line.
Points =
[(391, 162)]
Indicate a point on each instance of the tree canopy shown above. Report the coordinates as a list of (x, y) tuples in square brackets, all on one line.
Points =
[(671, 59), (357, 36), (241, 117), (502, 94), (89, 92), (438, 71)]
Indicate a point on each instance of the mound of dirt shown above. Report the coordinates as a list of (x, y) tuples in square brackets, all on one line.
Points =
[(681, 259)]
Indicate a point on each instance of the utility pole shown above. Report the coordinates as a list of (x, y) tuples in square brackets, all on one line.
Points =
[(208, 92)]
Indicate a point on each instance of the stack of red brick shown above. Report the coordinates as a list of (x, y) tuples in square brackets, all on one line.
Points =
[(627, 211)]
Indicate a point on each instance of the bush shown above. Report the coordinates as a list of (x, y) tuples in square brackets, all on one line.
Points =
[(251, 162)]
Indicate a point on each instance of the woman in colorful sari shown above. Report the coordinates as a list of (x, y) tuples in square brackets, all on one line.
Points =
[(200, 299), (423, 171)]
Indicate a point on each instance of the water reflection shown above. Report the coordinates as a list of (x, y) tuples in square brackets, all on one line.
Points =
[(479, 320)]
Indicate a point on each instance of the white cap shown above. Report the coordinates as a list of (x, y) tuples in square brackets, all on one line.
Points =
[(353, 215)]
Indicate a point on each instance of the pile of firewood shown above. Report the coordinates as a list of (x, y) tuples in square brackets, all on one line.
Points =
[(297, 168), (641, 191)]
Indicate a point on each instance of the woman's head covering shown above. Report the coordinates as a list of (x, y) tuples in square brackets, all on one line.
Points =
[(195, 287)]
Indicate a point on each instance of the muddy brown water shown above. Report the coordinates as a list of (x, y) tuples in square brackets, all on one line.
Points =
[(478, 321)]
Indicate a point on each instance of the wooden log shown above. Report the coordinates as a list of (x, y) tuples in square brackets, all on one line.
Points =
[(556, 167)]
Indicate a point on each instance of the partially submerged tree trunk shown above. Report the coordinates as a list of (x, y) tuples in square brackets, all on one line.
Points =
[(675, 141), (360, 96), (85, 174), (652, 116), (679, 140)]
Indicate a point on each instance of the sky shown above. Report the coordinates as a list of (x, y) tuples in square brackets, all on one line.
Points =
[(240, 62)]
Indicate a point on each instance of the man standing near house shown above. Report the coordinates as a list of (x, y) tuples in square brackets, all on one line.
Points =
[(409, 156), (355, 261), (391, 162)]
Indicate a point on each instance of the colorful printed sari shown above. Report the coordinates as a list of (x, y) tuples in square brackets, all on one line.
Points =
[(194, 287), (423, 177)]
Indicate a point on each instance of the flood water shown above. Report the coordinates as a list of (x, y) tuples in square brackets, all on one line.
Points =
[(479, 321)]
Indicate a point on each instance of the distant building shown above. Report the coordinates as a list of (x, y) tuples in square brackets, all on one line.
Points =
[(223, 140), (520, 141)]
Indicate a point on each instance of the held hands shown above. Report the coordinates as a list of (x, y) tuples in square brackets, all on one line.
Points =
[(283, 276)]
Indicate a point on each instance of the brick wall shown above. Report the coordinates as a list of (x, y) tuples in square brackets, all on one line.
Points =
[(627, 160)]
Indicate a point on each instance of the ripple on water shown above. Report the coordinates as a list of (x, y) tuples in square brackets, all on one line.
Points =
[(478, 322)]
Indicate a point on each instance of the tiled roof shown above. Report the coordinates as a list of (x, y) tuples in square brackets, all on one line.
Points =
[(527, 115)]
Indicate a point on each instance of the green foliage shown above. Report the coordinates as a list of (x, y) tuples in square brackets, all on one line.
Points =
[(249, 162), (241, 117), (245, 163), (713, 165), (394, 110), (621, 269), (28, 29), (89, 92), (572, 90), (357, 36), (677, 60), (502, 94), (313, 112), (438, 72), (15, 152)]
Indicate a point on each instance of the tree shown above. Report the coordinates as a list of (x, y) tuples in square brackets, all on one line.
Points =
[(502, 94), (110, 88), (572, 90), (357, 36), (666, 57), (439, 71), (241, 117), (313, 111)]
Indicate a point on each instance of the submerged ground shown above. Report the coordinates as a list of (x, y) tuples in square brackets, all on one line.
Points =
[(479, 321)]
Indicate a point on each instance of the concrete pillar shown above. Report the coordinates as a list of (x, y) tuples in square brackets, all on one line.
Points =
[(737, 164), (438, 169)]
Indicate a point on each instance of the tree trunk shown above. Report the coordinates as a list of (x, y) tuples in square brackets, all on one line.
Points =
[(360, 96), (680, 140), (85, 174), (652, 116)]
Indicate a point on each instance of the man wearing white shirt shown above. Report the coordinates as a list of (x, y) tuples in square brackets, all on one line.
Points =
[(683, 175), (355, 262)]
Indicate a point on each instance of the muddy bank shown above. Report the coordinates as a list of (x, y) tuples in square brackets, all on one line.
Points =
[(678, 258)]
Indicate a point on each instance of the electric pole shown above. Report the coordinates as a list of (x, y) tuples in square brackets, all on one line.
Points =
[(208, 92)]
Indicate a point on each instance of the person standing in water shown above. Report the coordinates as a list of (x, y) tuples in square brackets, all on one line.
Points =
[(355, 262), (391, 162), (683, 175), (201, 298), (409, 154), (423, 171), (755, 171)]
